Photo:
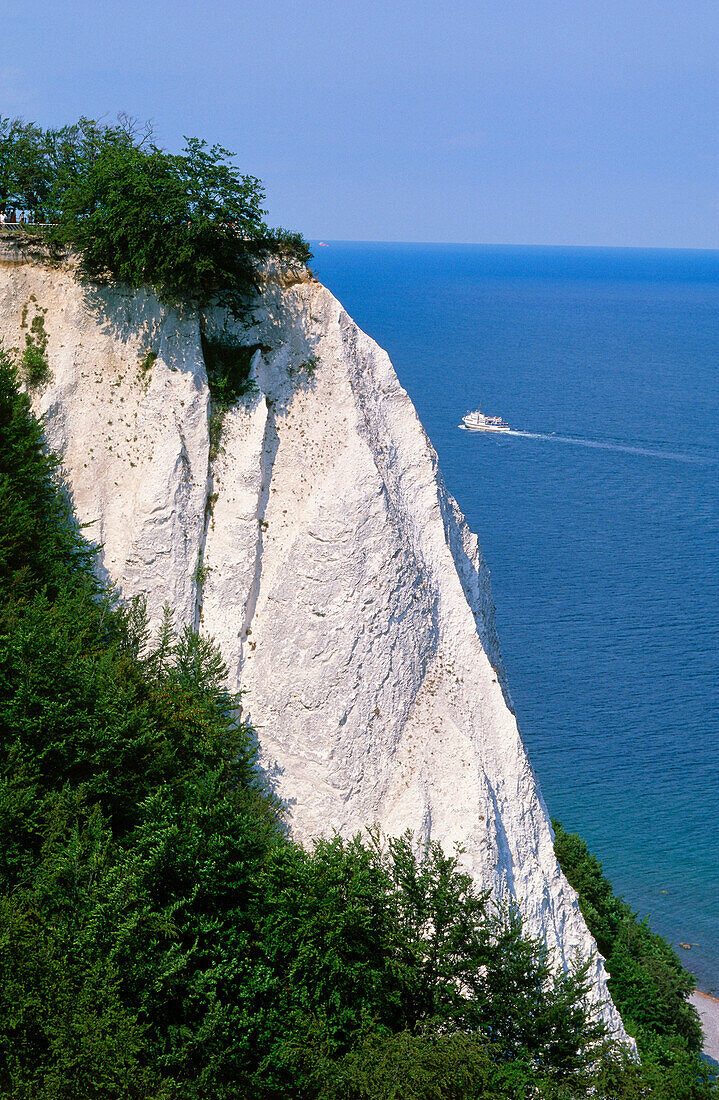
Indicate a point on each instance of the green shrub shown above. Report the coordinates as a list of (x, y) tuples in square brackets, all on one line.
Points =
[(25, 178), (202, 572), (191, 224), (34, 361), (405, 1066), (146, 364), (228, 365), (648, 983), (215, 425), (228, 377), (310, 365)]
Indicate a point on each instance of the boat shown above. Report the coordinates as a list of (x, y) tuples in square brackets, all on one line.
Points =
[(478, 422)]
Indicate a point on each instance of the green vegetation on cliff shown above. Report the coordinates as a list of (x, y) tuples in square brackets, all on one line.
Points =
[(648, 983), (162, 937), (189, 224)]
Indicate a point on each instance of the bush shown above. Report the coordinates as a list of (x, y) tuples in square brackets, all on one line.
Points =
[(228, 365), (25, 177), (161, 936), (34, 361)]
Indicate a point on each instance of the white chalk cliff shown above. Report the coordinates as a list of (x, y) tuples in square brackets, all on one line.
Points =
[(322, 551)]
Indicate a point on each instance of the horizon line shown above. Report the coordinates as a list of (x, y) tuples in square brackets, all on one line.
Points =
[(496, 244)]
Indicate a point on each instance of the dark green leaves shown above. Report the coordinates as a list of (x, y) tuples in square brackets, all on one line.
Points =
[(648, 984), (190, 224), (228, 369), (25, 177)]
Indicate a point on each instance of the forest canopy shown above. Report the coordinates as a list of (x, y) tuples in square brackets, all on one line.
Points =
[(190, 224)]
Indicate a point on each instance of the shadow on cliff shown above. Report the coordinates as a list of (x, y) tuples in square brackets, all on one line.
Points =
[(280, 325), (268, 776), (137, 316), (278, 322), (504, 851)]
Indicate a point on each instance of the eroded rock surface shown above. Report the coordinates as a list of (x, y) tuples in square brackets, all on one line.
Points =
[(323, 552)]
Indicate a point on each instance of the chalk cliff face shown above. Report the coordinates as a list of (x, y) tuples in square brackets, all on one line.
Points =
[(322, 551)]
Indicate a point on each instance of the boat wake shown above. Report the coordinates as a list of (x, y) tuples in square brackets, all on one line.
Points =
[(624, 448), (607, 445)]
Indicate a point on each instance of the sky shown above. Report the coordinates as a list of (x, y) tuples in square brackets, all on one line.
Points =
[(493, 121)]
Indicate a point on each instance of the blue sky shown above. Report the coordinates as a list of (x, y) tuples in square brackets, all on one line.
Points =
[(534, 122)]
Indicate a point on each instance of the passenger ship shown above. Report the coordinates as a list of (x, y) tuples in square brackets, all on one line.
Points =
[(478, 422)]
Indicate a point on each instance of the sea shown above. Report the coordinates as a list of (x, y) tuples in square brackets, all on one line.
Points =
[(598, 516)]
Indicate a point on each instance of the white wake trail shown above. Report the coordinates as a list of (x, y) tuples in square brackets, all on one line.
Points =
[(624, 448)]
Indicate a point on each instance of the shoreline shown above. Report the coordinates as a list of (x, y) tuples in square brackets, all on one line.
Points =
[(708, 1008)]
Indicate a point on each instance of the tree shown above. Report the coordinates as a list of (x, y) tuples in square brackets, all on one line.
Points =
[(648, 983), (25, 180), (191, 225), (476, 970)]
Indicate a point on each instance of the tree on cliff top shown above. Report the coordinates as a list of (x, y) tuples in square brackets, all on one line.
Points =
[(189, 224), (24, 176)]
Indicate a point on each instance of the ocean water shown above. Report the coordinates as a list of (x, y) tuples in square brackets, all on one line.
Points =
[(599, 520)]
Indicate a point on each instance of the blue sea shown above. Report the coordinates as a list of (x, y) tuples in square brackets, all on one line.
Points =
[(599, 520)]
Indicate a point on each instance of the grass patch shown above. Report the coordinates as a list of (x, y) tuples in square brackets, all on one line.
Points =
[(307, 367), (202, 572), (217, 419), (228, 364), (310, 365), (146, 364)]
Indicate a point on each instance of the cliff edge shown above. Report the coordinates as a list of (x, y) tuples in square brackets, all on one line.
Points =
[(314, 538)]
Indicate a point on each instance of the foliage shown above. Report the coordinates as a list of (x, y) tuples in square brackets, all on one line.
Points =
[(228, 365), (146, 364), (408, 1066), (474, 969), (39, 543), (130, 814), (310, 365), (215, 425), (648, 983), (34, 360), (24, 177), (189, 224), (201, 573)]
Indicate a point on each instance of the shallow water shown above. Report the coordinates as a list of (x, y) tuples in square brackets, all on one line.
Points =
[(599, 519)]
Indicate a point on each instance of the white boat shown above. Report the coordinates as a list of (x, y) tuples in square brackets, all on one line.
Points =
[(478, 422)]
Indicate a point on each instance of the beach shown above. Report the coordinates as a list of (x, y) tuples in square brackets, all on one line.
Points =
[(708, 1009)]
